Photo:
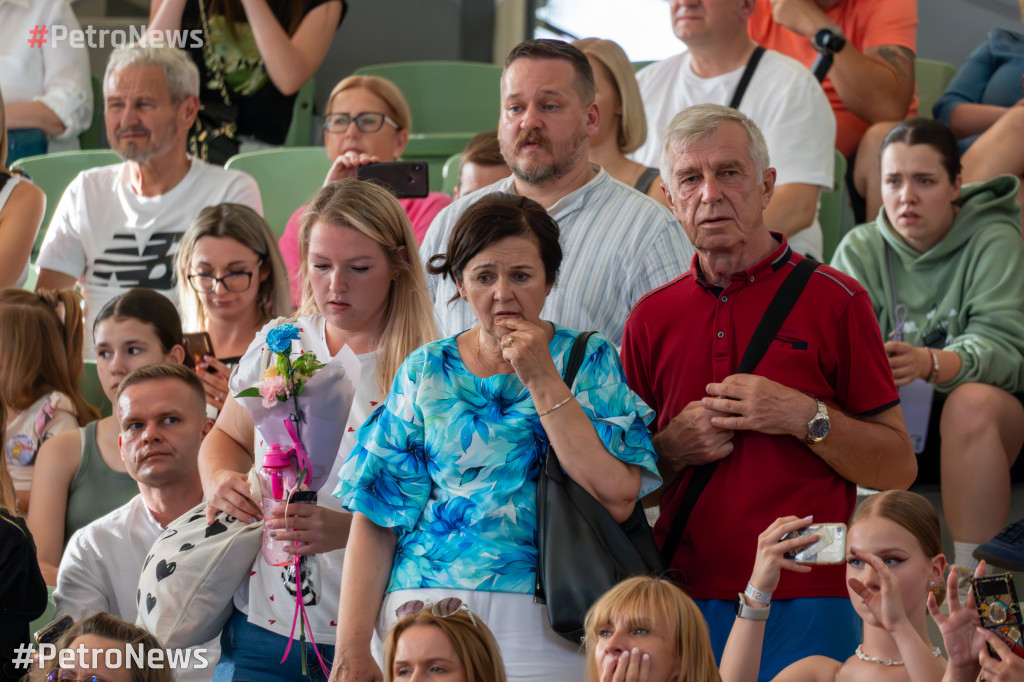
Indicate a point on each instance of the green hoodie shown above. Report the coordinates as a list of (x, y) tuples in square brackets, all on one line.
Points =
[(965, 295)]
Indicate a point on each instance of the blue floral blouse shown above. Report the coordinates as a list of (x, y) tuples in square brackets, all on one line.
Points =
[(450, 462)]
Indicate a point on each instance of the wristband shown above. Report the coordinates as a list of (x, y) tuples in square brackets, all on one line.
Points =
[(935, 366), (757, 595)]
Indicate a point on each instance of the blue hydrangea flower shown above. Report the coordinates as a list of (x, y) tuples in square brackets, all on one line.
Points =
[(279, 339)]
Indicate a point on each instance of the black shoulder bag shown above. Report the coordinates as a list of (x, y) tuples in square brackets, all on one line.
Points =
[(776, 313), (581, 550)]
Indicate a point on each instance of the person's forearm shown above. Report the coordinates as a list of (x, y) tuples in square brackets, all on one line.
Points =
[(973, 119), (877, 87), (792, 208), (917, 654), (221, 451), (584, 456), (290, 60), (33, 114), (165, 15), (874, 452), (369, 559), (741, 659)]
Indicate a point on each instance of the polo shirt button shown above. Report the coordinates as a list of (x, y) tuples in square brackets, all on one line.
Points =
[(721, 335), (724, 299), (751, 278)]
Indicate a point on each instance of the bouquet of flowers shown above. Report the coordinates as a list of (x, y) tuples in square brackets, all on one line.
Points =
[(290, 429)]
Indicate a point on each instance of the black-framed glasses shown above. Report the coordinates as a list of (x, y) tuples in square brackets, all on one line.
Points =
[(366, 121), (443, 608), (235, 282), (58, 675)]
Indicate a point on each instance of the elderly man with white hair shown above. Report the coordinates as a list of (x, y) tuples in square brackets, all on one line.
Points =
[(117, 227)]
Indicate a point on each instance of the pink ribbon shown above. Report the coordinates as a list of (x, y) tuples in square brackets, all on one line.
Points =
[(300, 452), (300, 611)]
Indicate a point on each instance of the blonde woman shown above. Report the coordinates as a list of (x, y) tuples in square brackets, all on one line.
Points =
[(623, 127), (364, 288), (21, 212), (647, 630), (231, 282)]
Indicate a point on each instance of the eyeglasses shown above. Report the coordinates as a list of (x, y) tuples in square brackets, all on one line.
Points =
[(235, 282), (366, 121), (442, 609), (57, 674)]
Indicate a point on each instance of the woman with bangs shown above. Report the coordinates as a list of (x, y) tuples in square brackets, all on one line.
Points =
[(364, 292), (647, 630)]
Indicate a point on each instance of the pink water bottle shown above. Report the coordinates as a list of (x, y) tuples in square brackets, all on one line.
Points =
[(278, 477)]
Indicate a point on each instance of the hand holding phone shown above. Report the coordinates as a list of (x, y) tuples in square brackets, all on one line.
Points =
[(198, 345), (404, 179), (999, 609)]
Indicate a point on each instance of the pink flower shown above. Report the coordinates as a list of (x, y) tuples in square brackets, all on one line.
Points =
[(271, 388)]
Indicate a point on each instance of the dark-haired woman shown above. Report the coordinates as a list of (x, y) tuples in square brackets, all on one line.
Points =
[(138, 328), (443, 481), (255, 53), (944, 265)]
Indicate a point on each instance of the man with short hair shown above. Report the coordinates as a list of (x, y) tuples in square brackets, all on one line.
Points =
[(118, 227), (782, 97), (618, 243), (161, 413), (819, 416)]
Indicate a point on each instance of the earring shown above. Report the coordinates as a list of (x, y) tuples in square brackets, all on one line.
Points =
[(395, 278)]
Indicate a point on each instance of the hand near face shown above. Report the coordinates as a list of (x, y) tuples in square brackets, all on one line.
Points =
[(690, 439), (754, 403), (525, 346), (960, 628), (628, 666), (1008, 667), (771, 550), (346, 164), (884, 602), (908, 362)]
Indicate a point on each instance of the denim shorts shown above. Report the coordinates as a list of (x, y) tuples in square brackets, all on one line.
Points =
[(251, 654)]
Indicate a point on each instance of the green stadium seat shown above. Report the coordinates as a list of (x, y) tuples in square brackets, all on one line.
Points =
[(830, 213), (933, 77), (450, 175), (92, 389), (301, 129)]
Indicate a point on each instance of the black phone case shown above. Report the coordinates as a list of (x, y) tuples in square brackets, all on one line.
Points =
[(404, 179), (999, 609)]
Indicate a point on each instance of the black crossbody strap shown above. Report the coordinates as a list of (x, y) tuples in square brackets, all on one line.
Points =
[(771, 322), (748, 72), (575, 361)]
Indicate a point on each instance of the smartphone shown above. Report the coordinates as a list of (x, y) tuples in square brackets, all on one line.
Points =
[(404, 179), (830, 547), (199, 345), (54, 630), (999, 609)]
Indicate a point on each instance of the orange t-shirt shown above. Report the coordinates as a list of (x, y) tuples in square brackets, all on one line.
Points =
[(866, 24)]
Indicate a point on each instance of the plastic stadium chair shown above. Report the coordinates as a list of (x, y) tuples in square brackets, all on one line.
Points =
[(94, 137), (932, 78), (48, 614), (435, 149), (92, 389), (301, 128), (830, 213), (52, 173), (450, 176), (446, 97), (287, 178)]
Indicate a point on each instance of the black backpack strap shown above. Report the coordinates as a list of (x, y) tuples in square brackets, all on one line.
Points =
[(771, 322), (748, 72)]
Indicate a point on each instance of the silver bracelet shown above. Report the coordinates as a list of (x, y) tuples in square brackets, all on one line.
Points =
[(552, 409)]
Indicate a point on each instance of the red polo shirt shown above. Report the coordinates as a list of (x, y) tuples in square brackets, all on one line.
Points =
[(687, 334)]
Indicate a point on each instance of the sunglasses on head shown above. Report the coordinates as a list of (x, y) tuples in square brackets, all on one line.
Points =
[(442, 608)]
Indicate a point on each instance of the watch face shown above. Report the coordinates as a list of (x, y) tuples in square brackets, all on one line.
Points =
[(817, 429)]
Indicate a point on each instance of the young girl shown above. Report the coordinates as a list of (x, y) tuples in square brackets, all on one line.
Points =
[(41, 353), (647, 630), (80, 472), (231, 282), (441, 641), (22, 590), (894, 562)]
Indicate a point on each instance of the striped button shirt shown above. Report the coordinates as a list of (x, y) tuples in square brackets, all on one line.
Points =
[(617, 245)]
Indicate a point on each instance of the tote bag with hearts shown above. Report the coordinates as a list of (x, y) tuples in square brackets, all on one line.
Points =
[(190, 576)]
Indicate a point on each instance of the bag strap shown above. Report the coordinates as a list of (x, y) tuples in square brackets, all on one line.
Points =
[(748, 72), (572, 366), (771, 322)]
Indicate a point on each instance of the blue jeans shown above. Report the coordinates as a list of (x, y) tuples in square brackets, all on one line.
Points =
[(251, 654), (797, 628)]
